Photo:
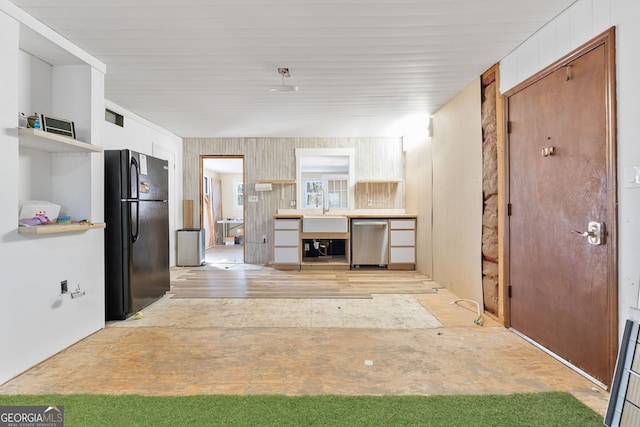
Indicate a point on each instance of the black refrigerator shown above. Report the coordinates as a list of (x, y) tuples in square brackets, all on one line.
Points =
[(137, 233)]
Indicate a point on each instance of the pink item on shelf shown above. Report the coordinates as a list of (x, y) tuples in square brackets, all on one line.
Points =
[(37, 220)]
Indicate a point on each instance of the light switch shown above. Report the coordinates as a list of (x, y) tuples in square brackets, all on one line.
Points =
[(632, 177), (253, 199)]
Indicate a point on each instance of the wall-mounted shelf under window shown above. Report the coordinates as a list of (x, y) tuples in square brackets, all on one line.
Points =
[(53, 143), (59, 228)]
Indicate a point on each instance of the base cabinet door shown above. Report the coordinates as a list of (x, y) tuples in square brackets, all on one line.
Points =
[(402, 244), (403, 255), (286, 244), (289, 255)]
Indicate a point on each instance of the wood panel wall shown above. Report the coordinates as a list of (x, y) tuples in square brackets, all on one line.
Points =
[(457, 194), (274, 159)]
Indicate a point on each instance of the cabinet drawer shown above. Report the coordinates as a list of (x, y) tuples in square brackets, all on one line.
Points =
[(403, 238), (286, 238), (290, 255), (402, 224), (402, 255), (287, 224)]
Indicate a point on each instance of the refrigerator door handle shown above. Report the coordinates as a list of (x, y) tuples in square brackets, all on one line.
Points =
[(134, 172), (134, 176), (135, 220)]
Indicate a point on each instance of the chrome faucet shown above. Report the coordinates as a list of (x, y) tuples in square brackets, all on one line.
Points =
[(325, 208)]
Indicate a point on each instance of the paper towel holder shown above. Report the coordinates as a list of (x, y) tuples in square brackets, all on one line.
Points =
[(263, 186)]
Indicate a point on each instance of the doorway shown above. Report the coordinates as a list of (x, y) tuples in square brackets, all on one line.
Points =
[(222, 208), (561, 157)]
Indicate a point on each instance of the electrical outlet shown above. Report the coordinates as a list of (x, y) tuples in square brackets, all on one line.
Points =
[(292, 203), (253, 199), (63, 287)]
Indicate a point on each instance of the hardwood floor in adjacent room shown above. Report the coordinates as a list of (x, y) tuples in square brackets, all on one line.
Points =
[(225, 254), (212, 282)]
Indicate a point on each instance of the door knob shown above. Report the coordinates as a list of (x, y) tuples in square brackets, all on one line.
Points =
[(595, 233)]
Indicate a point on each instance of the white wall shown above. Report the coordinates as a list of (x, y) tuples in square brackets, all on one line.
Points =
[(34, 89), (145, 137), (9, 335), (227, 195), (37, 321), (580, 23)]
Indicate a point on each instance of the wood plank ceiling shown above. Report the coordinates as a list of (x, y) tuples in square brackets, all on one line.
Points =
[(202, 68)]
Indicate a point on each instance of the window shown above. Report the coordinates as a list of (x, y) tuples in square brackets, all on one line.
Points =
[(334, 189), (337, 190), (312, 193), (238, 194), (318, 163)]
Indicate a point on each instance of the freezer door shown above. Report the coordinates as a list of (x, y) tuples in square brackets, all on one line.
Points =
[(149, 264), (149, 177)]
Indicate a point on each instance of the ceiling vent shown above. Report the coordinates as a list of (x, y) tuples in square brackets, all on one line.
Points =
[(113, 117)]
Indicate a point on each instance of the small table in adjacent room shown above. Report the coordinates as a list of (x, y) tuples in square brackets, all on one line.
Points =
[(228, 225)]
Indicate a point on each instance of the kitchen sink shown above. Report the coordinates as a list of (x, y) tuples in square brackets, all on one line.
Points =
[(324, 224)]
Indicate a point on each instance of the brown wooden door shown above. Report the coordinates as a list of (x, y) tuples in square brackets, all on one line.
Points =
[(561, 286)]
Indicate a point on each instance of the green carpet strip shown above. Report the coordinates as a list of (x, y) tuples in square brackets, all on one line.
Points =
[(528, 409)]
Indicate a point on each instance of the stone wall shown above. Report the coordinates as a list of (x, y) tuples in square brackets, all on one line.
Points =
[(490, 194)]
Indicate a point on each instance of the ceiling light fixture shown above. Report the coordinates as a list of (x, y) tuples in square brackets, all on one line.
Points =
[(284, 72)]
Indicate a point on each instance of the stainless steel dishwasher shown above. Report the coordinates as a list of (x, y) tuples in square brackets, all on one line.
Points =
[(369, 242)]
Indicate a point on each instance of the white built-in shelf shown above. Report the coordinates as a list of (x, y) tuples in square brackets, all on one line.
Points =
[(60, 228), (276, 181), (54, 143)]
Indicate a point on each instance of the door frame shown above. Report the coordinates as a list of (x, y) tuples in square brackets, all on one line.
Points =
[(606, 39), (201, 160)]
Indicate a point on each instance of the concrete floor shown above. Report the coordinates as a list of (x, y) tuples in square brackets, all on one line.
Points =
[(391, 344)]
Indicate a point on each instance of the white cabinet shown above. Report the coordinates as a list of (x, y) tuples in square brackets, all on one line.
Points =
[(402, 244), (403, 237), (286, 243), (402, 255), (286, 238)]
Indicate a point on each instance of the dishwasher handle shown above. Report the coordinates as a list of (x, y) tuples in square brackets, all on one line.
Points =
[(369, 223)]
